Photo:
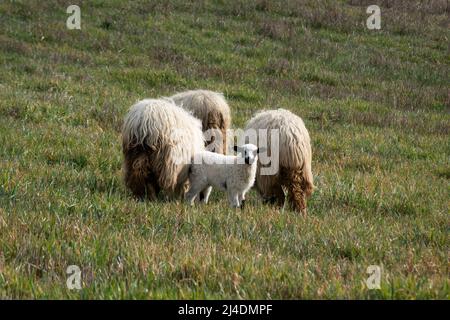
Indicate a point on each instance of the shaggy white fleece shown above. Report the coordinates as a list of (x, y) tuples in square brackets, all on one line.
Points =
[(167, 136)]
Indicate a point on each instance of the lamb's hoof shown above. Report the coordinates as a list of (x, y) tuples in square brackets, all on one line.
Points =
[(242, 204)]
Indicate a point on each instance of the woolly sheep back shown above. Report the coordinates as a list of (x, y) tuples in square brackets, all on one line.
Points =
[(158, 142), (295, 156), (208, 106)]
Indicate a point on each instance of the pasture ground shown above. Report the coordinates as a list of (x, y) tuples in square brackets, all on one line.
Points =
[(376, 104)]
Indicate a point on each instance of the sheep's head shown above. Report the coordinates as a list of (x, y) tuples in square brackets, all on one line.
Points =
[(249, 152)]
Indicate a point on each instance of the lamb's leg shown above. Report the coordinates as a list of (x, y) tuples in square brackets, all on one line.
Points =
[(197, 184), (195, 188), (204, 195), (233, 198), (242, 199)]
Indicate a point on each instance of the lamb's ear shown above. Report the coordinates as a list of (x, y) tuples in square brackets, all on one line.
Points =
[(236, 148), (261, 150)]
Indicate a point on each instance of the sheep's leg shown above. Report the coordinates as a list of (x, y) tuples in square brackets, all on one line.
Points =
[(152, 190), (275, 197), (278, 196), (269, 187), (205, 193)]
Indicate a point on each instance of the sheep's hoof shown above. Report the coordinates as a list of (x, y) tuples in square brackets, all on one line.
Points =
[(270, 200), (242, 204)]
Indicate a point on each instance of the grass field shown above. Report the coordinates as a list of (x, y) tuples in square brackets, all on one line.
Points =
[(376, 104)]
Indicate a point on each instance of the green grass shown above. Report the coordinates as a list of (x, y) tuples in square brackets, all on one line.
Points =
[(376, 104)]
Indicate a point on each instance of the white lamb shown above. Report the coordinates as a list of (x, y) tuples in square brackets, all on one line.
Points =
[(233, 174)]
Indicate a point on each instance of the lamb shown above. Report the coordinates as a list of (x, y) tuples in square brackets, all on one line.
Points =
[(158, 142), (233, 174), (214, 113), (295, 158)]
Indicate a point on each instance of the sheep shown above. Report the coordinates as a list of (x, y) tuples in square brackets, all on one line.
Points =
[(214, 113), (158, 142), (295, 157), (233, 174)]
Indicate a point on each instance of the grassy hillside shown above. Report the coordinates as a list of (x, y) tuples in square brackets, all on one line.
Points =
[(376, 104)]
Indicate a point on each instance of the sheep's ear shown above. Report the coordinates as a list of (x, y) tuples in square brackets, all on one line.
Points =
[(261, 150)]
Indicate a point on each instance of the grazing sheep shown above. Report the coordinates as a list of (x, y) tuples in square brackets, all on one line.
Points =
[(295, 155), (158, 142), (233, 174), (212, 110)]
